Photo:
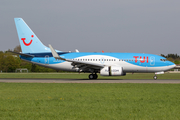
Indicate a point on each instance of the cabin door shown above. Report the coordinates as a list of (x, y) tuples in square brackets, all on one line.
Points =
[(152, 61), (46, 59)]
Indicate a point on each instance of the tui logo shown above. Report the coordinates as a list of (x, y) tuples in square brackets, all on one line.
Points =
[(27, 44), (142, 60)]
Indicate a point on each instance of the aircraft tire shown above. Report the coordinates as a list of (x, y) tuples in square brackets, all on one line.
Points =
[(95, 76), (91, 76), (155, 77)]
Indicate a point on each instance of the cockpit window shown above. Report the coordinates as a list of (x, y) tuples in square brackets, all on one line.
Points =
[(163, 59)]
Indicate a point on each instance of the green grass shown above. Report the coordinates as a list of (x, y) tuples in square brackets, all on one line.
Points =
[(85, 76), (89, 101)]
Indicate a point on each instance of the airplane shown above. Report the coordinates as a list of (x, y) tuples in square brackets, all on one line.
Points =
[(106, 64)]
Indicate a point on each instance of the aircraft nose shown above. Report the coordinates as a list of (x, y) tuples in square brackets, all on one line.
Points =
[(171, 64)]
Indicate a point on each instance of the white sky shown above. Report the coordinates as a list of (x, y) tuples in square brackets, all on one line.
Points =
[(142, 26)]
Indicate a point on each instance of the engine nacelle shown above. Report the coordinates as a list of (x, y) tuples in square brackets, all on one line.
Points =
[(112, 71)]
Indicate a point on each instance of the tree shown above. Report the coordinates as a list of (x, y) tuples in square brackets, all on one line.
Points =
[(163, 55), (33, 68), (24, 64), (10, 63), (17, 49), (1, 60), (177, 62)]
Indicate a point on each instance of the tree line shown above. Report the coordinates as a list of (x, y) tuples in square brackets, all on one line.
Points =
[(10, 62), (172, 57)]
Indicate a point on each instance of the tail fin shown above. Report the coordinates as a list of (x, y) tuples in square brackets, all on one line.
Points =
[(28, 40)]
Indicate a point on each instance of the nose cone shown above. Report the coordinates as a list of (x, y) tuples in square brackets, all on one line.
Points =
[(171, 64)]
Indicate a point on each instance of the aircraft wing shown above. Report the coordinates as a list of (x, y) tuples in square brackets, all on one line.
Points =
[(80, 64), (22, 54)]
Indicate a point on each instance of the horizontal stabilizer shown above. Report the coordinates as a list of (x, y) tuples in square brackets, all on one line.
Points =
[(26, 55)]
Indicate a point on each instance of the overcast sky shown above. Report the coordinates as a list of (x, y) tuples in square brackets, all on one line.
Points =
[(142, 26)]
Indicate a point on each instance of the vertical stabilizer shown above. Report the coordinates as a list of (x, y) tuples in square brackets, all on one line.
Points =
[(28, 40)]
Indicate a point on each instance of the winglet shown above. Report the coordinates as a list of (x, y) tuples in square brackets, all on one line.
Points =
[(77, 50), (54, 53)]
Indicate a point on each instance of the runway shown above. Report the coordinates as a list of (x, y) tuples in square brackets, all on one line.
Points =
[(85, 81)]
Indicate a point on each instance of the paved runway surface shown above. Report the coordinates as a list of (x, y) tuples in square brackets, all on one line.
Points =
[(84, 81)]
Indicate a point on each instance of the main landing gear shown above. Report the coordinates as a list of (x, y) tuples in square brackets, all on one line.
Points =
[(93, 76)]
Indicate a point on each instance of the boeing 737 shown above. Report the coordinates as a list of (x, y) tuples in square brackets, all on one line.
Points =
[(107, 64)]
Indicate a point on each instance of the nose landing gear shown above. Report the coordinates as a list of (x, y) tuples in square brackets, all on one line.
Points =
[(155, 77)]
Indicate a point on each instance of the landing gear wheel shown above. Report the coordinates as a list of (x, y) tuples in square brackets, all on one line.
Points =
[(93, 76), (155, 77)]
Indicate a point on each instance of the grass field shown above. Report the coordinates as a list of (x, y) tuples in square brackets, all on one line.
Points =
[(21, 101), (71, 101), (85, 76)]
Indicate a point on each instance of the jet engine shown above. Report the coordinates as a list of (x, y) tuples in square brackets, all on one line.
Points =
[(112, 71)]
